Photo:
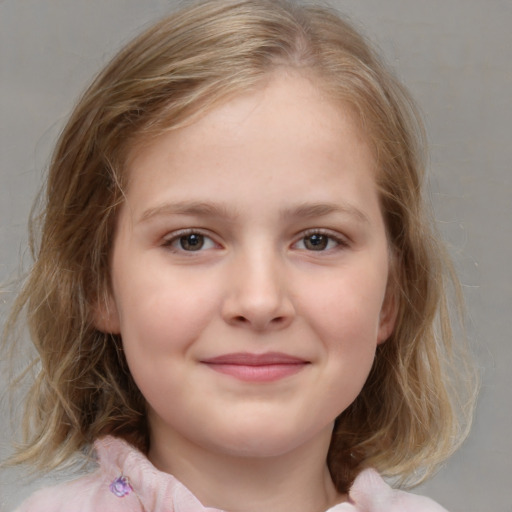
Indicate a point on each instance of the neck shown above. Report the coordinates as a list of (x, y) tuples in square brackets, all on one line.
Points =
[(298, 480)]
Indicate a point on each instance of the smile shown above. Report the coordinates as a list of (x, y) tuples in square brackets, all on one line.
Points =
[(248, 367)]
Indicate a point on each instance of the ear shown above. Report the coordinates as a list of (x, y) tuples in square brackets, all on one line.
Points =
[(388, 313), (106, 315)]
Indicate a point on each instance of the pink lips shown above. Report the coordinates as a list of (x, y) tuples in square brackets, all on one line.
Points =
[(257, 367)]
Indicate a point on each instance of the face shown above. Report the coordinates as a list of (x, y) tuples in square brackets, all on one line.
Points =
[(249, 272)]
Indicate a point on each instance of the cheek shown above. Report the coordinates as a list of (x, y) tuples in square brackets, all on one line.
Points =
[(347, 307), (161, 315), (345, 316), (158, 331)]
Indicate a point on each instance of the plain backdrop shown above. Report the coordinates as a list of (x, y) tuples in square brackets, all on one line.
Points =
[(454, 55)]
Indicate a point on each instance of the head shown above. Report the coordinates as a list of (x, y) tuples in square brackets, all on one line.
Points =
[(170, 76)]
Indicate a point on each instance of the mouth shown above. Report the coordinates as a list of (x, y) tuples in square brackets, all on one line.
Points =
[(267, 367)]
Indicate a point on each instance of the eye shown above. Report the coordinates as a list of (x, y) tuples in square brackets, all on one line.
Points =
[(318, 241), (189, 241)]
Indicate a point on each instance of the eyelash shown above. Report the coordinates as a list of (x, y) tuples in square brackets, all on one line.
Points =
[(340, 241), (178, 235), (175, 237)]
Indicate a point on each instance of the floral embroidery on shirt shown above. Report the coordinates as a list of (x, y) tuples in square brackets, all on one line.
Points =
[(121, 487)]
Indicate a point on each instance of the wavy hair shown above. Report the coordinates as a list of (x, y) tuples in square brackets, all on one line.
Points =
[(407, 418)]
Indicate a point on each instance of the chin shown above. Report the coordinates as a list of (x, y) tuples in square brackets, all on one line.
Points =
[(264, 442)]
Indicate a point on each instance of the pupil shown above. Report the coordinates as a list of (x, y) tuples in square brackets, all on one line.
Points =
[(316, 242), (192, 242)]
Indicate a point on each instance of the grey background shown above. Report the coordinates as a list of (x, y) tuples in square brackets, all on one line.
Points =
[(455, 56)]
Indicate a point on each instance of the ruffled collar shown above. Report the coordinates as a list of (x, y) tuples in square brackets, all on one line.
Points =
[(131, 473), (132, 477)]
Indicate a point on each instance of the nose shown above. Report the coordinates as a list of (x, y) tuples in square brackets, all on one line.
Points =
[(257, 293)]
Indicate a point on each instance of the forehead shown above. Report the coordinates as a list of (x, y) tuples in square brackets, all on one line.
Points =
[(287, 134), (290, 103)]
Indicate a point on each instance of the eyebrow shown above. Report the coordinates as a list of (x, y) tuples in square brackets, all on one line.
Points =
[(311, 210), (193, 208), (206, 209)]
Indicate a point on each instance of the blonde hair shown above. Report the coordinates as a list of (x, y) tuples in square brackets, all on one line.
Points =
[(406, 419)]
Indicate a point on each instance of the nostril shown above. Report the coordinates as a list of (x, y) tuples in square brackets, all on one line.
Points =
[(277, 321)]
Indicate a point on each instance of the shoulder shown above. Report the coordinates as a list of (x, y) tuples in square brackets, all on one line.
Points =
[(370, 493), (125, 481), (85, 494), (92, 492)]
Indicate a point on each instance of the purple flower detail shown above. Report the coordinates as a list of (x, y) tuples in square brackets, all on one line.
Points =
[(121, 487)]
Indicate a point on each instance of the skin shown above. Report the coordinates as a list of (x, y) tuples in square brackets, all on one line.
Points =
[(257, 182)]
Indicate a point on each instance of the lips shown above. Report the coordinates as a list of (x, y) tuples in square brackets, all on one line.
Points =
[(266, 367)]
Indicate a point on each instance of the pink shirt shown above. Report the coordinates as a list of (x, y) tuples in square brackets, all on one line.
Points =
[(127, 482)]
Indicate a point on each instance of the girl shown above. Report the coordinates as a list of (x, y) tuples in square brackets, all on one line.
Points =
[(237, 299)]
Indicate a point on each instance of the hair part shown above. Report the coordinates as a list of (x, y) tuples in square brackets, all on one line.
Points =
[(407, 418)]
